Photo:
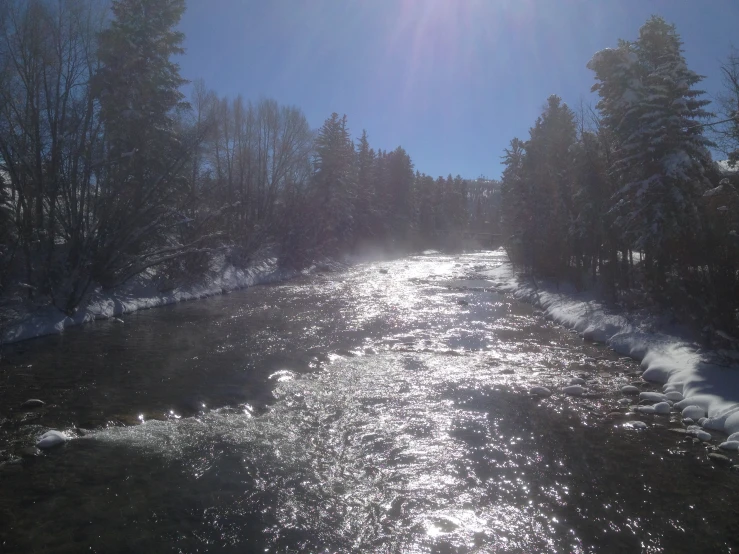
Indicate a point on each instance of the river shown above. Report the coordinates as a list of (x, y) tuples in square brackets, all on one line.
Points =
[(383, 408)]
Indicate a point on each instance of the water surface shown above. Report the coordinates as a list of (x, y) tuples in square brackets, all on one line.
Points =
[(379, 409)]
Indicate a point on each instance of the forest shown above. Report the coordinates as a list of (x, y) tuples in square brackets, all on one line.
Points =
[(107, 169), (626, 195)]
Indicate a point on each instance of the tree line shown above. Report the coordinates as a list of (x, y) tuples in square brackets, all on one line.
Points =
[(108, 171), (626, 194)]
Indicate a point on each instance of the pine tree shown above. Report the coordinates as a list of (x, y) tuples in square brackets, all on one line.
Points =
[(514, 199), (426, 207), (649, 101), (365, 201), (400, 192), (548, 169), (334, 184), (138, 84), (142, 179)]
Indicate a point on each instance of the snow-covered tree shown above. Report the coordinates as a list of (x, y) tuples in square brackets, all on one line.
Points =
[(547, 170), (366, 193), (143, 178), (400, 179), (138, 84), (334, 183), (514, 195), (649, 101)]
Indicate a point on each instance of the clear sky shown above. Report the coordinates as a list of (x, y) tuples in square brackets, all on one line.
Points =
[(452, 81)]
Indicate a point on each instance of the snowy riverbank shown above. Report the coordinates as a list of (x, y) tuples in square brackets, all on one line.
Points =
[(666, 358), (140, 294)]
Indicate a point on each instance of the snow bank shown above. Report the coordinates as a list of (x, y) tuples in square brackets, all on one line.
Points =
[(665, 358), (142, 294)]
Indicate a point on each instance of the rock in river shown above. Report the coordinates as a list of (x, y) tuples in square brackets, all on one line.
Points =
[(32, 403), (719, 459), (693, 412), (661, 408), (51, 439), (29, 452)]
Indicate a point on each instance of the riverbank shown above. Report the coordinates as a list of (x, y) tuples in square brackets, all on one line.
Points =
[(141, 293), (708, 379)]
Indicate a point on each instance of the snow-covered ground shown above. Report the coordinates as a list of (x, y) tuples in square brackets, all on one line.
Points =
[(140, 294), (706, 391)]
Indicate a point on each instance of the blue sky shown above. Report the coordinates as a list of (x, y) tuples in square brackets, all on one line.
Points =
[(452, 81)]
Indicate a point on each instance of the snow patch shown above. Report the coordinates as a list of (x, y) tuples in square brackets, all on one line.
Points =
[(142, 294), (665, 357)]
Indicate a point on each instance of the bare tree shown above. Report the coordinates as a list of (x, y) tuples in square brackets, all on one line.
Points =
[(727, 134)]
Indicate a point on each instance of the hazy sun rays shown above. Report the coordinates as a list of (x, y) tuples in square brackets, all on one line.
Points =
[(441, 44)]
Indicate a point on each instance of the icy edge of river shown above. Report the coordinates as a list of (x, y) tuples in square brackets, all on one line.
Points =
[(141, 294), (665, 358)]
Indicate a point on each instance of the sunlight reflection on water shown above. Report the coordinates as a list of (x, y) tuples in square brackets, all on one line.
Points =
[(413, 433)]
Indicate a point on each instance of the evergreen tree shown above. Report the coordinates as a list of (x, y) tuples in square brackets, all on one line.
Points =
[(547, 167), (365, 202), (515, 211), (649, 101), (334, 184), (142, 179), (138, 84), (426, 207), (400, 178)]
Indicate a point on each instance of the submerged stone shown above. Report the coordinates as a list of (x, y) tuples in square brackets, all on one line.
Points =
[(32, 403), (719, 459)]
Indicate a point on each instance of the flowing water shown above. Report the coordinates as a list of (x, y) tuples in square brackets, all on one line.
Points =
[(379, 409)]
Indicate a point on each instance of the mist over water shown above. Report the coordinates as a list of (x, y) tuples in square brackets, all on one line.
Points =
[(383, 408)]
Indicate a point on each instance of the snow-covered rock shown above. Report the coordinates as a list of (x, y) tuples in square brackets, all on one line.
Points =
[(574, 390), (652, 396), (51, 439), (32, 403), (635, 425), (693, 412), (661, 408), (674, 396), (699, 433)]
